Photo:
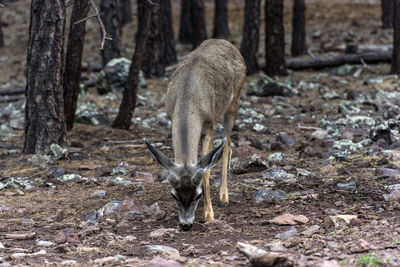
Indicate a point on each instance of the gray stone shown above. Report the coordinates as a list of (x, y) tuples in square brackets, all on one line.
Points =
[(269, 195), (163, 249), (278, 174), (284, 138), (111, 207), (69, 178), (311, 230), (344, 70), (350, 186), (266, 86), (288, 234)]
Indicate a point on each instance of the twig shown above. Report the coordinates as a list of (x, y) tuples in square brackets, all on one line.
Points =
[(103, 29), (308, 127), (310, 54)]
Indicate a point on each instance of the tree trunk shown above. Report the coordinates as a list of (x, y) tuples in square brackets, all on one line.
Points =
[(387, 13), (170, 53), (251, 33), (274, 38), (221, 28), (128, 104), (126, 12), (154, 60), (185, 26), (198, 22), (44, 108), (72, 74), (396, 38), (299, 46), (1, 33), (111, 17)]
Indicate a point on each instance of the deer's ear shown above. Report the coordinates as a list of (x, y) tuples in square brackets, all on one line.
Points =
[(163, 160), (208, 161)]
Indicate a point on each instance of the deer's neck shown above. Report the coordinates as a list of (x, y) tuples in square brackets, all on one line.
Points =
[(186, 132)]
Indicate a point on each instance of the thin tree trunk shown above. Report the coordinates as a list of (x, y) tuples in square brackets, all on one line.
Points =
[(221, 28), (251, 33), (185, 26), (198, 22), (111, 16), (299, 46), (396, 38), (274, 38), (170, 53), (1, 33), (44, 108), (126, 12), (387, 13), (72, 74), (128, 104), (154, 60)]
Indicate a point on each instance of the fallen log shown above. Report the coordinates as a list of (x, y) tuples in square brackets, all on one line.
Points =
[(8, 99), (338, 60), (16, 91)]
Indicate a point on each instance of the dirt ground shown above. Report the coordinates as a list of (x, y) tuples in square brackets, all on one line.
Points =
[(114, 165)]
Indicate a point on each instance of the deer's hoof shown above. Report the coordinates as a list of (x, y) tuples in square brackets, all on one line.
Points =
[(209, 216), (223, 200)]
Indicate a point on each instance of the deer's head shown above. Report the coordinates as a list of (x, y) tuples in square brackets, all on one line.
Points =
[(186, 181)]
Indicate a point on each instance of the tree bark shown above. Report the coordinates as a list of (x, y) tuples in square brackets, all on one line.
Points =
[(185, 25), (274, 38), (396, 38), (128, 104), (1, 33), (44, 108), (198, 22), (168, 32), (221, 27), (72, 74), (111, 17), (251, 33), (387, 13), (126, 12), (299, 46), (154, 60)]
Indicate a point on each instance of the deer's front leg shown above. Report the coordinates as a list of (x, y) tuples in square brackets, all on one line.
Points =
[(207, 144)]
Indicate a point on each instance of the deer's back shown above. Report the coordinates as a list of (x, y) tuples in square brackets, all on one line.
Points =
[(208, 80)]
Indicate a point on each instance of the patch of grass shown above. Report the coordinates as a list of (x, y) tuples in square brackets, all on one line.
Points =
[(370, 260)]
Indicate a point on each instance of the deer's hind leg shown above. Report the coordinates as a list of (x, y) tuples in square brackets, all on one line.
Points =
[(207, 146)]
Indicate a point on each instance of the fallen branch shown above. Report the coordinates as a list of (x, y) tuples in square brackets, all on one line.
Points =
[(97, 15), (8, 99), (334, 61), (17, 91)]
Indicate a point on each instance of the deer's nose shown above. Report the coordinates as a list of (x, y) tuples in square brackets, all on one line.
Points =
[(186, 226)]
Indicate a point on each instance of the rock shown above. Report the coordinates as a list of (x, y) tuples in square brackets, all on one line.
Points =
[(266, 86), (388, 172), (44, 243), (218, 225), (311, 230), (154, 212), (394, 195), (111, 207), (261, 258), (342, 220), (91, 216), (289, 219), (360, 246), (163, 232), (58, 152), (247, 159), (109, 260), (350, 186), (114, 76), (60, 238), (303, 172), (285, 139), (330, 263), (88, 113), (276, 246), (278, 156), (268, 195), (278, 175), (99, 193), (344, 70), (145, 177), (328, 170), (288, 234), (130, 209), (55, 173), (69, 178), (163, 249), (259, 128), (161, 262), (42, 161)]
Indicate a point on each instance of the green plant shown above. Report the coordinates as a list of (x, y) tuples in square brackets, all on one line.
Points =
[(370, 260)]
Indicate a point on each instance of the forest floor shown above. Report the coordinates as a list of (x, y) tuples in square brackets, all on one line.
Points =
[(330, 153)]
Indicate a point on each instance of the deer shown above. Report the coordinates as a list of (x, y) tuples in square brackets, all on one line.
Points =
[(205, 87)]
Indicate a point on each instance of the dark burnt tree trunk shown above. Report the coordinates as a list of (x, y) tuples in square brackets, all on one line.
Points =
[(128, 104), (111, 16), (221, 28), (274, 38), (387, 13), (1, 32), (198, 22), (396, 38), (126, 12), (154, 60), (299, 46), (167, 31), (72, 74), (185, 25), (251, 33), (44, 108)]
